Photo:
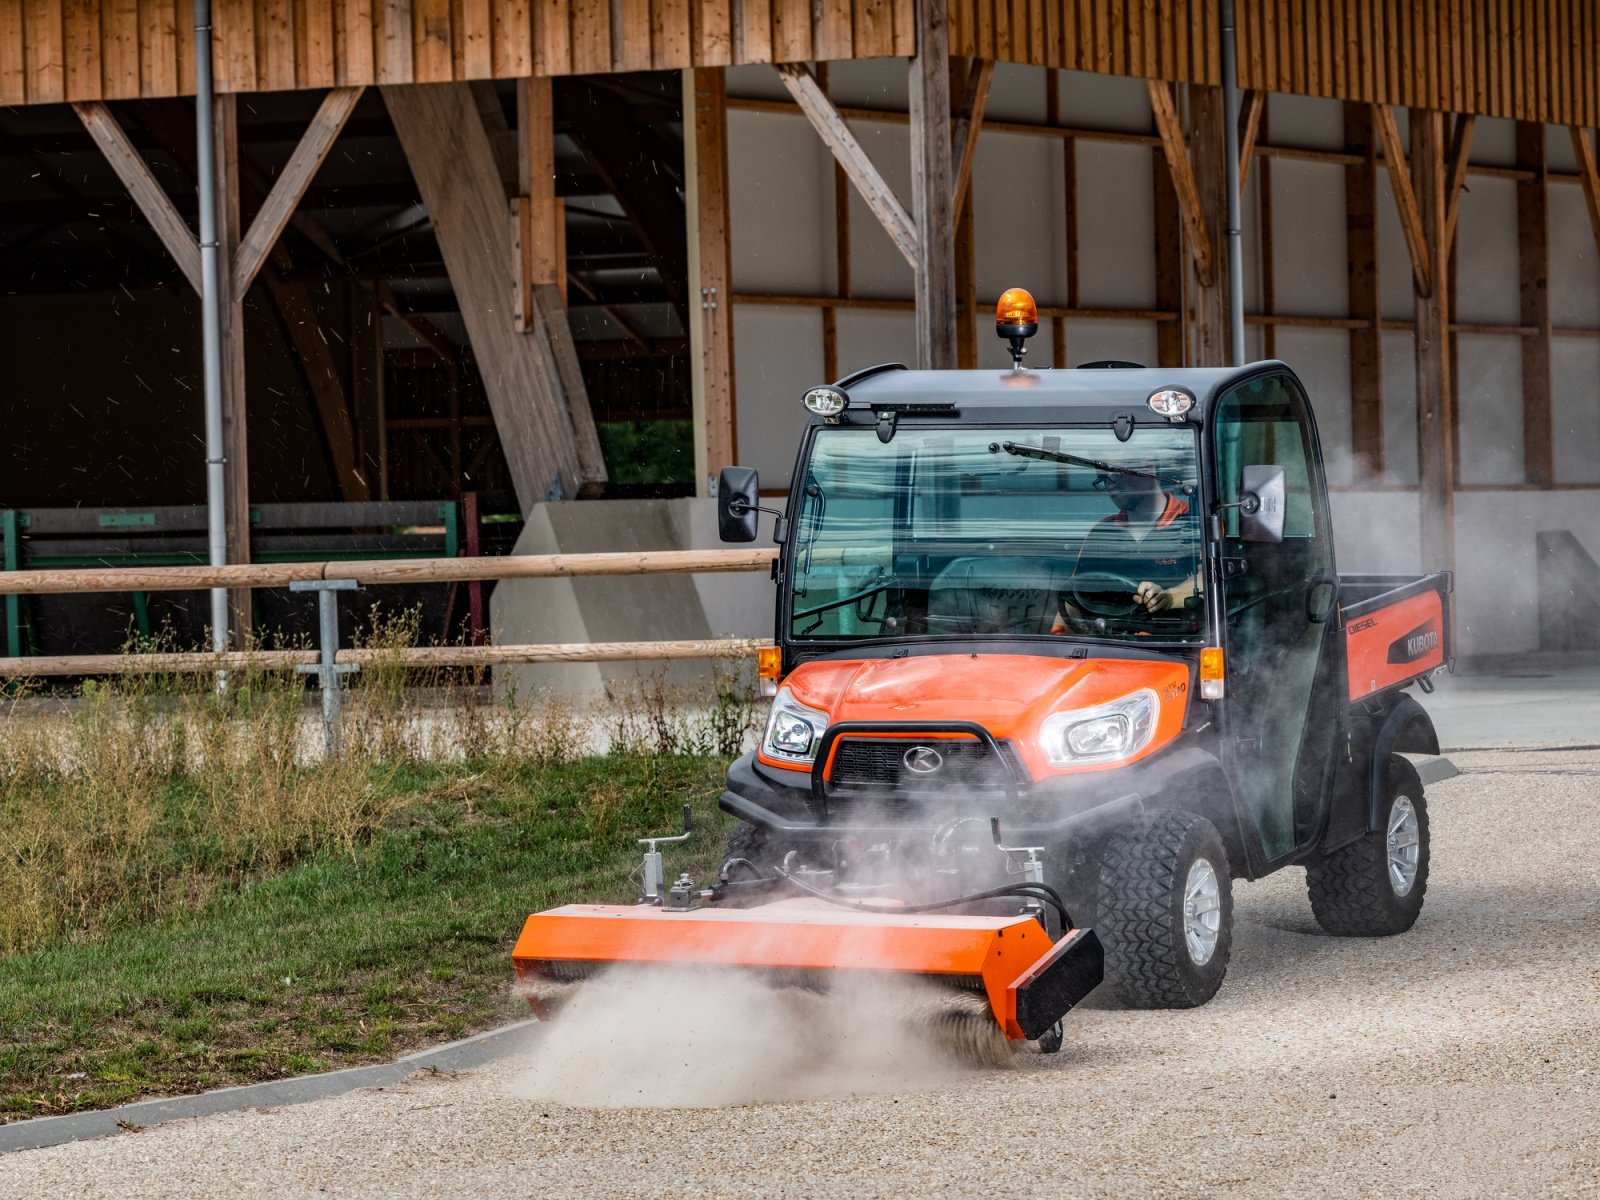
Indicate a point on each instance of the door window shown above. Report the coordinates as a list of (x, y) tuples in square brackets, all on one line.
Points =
[(1274, 645)]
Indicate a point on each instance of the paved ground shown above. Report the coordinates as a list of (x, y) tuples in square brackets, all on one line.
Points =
[(1535, 704), (1460, 1059)]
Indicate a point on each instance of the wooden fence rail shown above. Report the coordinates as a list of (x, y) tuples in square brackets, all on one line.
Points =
[(382, 571), (412, 656)]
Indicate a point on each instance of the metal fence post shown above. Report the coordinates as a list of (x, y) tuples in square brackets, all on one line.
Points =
[(327, 670)]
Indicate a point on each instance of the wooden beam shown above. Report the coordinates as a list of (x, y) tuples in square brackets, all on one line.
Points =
[(291, 184), (1364, 296), (151, 198), (1435, 387), (1588, 176), (1533, 271), (1460, 151), (1183, 180), (847, 151), (451, 158), (1405, 199), (1250, 130), (536, 211), (967, 125), (932, 188), (961, 83), (711, 272)]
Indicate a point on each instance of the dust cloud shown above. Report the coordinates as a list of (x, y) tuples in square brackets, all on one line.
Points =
[(695, 1037)]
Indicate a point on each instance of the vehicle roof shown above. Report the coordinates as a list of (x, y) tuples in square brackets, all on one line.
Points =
[(1098, 388)]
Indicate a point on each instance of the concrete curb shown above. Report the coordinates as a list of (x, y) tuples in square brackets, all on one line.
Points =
[(76, 1127)]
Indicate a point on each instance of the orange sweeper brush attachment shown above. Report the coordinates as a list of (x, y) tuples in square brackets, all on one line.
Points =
[(994, 979)]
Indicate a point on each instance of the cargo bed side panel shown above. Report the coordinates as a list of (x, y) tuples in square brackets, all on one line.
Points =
[(1390, 644)]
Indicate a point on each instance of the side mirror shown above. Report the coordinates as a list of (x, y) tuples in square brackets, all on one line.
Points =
[(738, 494), (1262, 504)]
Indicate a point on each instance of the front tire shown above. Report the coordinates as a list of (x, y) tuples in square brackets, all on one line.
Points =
[(1374, 887), (1165, 911)]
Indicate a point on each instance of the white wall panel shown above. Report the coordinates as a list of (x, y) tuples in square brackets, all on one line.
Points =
[(1574, 265), (780, 194), (1092, 341), (1321, 357), (1494, 143), (778, 355), (1306, 121), (1105, 102), (870, 83), (1488, 284), (1575, 370), (1489, 401), (1399, 410), (876, 267), (1377, 531), (868, 337), (1016, 93), (1018, 217), (1116, 217), (1310, 262)]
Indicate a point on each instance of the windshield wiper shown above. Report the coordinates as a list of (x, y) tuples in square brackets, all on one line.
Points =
[(1075, 460)]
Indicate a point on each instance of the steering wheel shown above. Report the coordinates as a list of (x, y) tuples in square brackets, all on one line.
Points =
[(1105, 594)]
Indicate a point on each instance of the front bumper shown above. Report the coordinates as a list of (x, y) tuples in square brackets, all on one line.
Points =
[(1040, 812)]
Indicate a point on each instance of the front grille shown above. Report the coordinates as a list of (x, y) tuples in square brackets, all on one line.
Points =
[(881, 764)]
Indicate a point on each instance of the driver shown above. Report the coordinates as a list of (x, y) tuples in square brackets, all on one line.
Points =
[(1150, 539)]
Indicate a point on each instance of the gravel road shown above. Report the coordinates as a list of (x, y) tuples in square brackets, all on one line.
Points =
[(1460, 1059)]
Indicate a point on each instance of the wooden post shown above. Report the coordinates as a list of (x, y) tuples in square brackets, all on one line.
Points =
[(1366, 343), (1533, 267), (932, 184), (705, 169), (536, 207), (1169, 261), (1435, 393), (235, 423), (1209, 344)]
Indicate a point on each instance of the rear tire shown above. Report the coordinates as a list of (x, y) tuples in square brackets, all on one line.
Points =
[(1374, 887), (1165, 911)]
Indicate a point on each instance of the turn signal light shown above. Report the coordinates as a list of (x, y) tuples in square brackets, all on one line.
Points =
[(1016, 311), (1212, 673), (769, 667)]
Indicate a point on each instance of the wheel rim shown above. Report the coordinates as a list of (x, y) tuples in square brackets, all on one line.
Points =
[(1202, 911), (1404, 846)]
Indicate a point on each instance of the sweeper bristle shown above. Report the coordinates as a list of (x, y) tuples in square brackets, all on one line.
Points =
[(959, 1025), (544, 995)]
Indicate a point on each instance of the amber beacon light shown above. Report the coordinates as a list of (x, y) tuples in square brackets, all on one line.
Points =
[(1016, 318)]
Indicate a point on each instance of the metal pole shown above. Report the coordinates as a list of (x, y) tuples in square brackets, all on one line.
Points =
[(327, 670), (1230, 142), (210, 317)]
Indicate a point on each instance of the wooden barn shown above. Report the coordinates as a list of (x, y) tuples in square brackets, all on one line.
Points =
[(520, 253)]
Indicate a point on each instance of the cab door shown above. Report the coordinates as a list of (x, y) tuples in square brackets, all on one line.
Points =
[(1283, 715)]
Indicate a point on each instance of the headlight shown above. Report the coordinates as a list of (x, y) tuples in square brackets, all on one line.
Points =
[(793, 730), (1105, 733)]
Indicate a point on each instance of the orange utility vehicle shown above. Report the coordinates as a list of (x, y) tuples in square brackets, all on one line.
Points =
[(1057, 651)]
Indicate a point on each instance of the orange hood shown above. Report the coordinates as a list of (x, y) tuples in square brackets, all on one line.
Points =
[(1008, 694)]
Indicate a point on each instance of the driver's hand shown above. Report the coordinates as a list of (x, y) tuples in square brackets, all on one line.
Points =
[(1152, 598)]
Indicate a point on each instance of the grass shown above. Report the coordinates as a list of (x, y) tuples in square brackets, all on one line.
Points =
[(191, 896), (343, 958)]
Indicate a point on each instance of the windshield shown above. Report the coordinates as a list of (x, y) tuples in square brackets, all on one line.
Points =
[(1048, 531)]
